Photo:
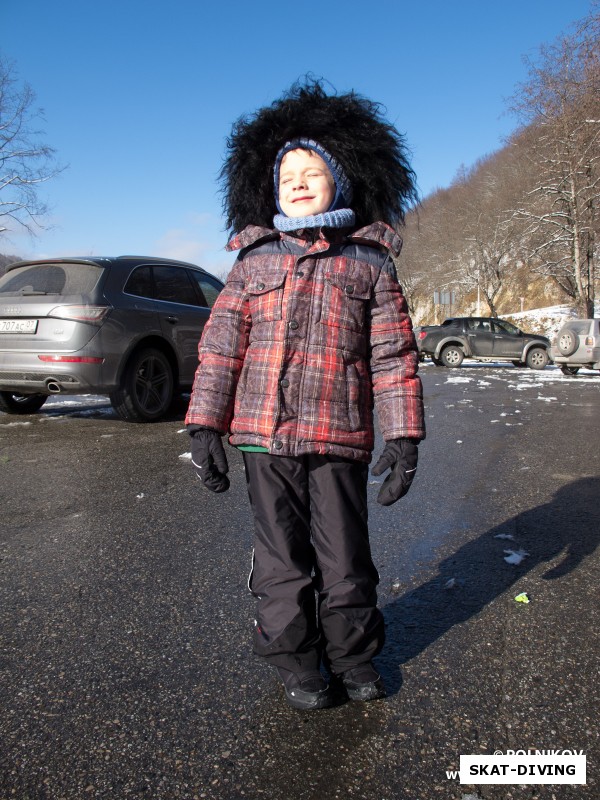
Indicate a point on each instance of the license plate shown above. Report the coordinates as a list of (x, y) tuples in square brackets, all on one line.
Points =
[(18, 325)]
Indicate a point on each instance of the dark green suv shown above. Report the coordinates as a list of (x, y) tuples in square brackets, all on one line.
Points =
[(482, 339)]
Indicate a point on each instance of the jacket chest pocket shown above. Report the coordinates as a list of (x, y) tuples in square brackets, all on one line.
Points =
[(265, 297), (345, 301)]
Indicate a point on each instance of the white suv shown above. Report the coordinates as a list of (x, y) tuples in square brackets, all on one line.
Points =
[(577, 345)]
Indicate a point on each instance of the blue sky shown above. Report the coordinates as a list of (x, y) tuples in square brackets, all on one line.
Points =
[(140, 95)]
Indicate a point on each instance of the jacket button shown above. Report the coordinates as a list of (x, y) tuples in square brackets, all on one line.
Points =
[(284, 382), (349, 289), (294, 325), (278, 444), (260, 287)]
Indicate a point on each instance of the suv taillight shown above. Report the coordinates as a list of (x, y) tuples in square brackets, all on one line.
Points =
[(81, 313), (422, 334), (57, 359)]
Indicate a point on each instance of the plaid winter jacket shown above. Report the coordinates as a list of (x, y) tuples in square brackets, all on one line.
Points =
[(303, 339)]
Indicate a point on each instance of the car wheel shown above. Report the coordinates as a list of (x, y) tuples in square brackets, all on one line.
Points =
[(452, 356), (146, 390), (568, 342), (567, 370), (13, 403), (537, 358)]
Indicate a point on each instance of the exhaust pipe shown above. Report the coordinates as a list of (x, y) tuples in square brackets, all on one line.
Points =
[(53, 386)]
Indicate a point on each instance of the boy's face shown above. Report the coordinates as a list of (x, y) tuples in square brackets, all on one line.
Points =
[(306, 186)]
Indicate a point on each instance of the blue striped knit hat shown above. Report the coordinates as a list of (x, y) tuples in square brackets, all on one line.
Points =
[(343, 187)]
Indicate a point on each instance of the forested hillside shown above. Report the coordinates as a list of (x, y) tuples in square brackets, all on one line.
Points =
[(520, 229)]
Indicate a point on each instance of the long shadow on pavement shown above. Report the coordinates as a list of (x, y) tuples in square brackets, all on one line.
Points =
[(568, 525)]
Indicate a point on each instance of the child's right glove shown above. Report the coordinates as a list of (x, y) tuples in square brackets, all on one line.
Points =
[(209, 459), (401, 456)]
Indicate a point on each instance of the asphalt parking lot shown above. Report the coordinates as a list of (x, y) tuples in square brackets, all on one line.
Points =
[(125, 658)]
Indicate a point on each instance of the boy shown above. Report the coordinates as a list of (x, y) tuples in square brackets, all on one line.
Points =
[(311, 330)]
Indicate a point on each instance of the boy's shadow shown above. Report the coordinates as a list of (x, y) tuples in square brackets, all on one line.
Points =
[(567, 526)]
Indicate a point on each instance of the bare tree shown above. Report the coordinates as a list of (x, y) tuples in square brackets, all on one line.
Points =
[(25, 161), (411, 282), (429, 248), (491, 242), (560, 103), (486, 260)]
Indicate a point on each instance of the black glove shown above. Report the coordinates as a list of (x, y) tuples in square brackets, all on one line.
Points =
[(209, 459), (401, 456)]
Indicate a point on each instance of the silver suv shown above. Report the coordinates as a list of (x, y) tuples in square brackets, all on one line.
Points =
[(127, 327), (577, 345)]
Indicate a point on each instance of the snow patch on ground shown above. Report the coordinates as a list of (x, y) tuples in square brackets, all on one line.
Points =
[(547, 320), (76, 400), (515, 556), (520, 377)]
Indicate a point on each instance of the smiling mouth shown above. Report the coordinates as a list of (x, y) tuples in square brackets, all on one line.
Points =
[(301, 199)]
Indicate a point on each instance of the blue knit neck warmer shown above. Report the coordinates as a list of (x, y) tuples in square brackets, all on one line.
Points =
[(342, 218)]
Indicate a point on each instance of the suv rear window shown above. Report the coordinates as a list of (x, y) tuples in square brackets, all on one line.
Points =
[(580, 326), (56, 279)]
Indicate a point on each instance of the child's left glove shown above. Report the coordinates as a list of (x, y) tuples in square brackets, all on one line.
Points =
[(401, 456), (209, 459)]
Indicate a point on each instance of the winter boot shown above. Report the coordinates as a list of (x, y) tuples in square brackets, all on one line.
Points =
[(306, 690), (363, 682)]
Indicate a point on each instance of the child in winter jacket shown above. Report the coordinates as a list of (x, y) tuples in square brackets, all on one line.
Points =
[(310, 332)]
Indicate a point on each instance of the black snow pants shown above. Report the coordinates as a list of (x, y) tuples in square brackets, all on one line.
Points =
[(312, 574)]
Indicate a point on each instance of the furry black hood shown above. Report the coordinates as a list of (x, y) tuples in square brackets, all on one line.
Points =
[(371, 151)]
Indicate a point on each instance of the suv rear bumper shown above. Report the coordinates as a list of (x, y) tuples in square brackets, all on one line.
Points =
[(590, 359), (26, 374), (28, 383)]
